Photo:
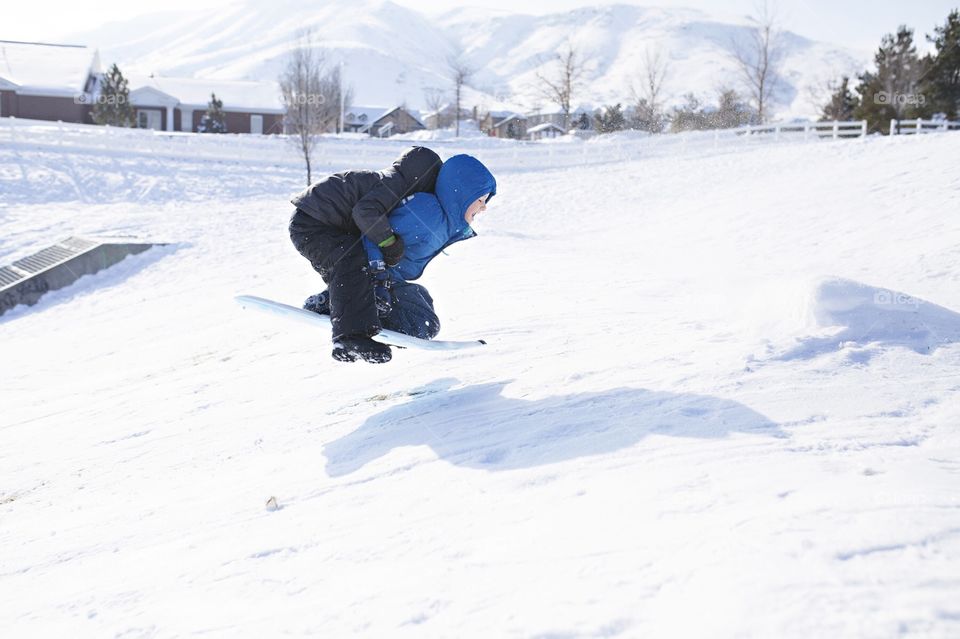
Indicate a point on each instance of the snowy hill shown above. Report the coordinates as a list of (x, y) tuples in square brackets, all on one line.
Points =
[(392, 53), (704, 409)]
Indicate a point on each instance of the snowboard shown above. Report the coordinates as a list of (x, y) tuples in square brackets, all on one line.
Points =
[(385, 336)]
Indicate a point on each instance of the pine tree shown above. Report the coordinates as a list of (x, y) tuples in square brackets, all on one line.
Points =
[(876, 111), (943, 77), (690, 116), (892, 91), (843, 103), (112, 105), (214, 120), (647, 117), (732, 111), (611, 119)]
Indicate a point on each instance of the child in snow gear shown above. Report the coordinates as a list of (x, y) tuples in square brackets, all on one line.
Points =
[(369, 280)]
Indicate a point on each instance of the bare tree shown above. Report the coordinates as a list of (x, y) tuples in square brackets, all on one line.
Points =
[(335, 95), (656, 69), (562, 85), (435, 98), (301, 85), (758, 57), (459, 72), (649, 115)]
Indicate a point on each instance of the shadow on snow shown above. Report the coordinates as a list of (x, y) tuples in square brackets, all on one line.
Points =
[(478, 427)]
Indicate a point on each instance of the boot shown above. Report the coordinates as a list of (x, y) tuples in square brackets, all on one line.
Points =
[(319, 303), (349, 347)]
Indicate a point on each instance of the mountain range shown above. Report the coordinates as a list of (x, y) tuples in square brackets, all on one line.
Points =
[(395, 55)]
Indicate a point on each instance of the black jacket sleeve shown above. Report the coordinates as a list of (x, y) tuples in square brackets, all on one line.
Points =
[(414, 171)]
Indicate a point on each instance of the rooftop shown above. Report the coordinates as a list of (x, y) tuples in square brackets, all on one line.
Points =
[(59, 69)]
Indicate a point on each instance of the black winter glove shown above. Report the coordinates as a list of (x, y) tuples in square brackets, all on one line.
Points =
[(393, 252)]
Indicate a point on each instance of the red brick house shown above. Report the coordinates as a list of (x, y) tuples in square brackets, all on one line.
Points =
[(47, 81), (178, 104)]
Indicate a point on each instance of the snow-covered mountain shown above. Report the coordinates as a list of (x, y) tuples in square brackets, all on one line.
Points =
[(392, 53)]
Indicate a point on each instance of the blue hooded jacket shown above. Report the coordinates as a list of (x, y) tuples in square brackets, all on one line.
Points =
[(429, 223)]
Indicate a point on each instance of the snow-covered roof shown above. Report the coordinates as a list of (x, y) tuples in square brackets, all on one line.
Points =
[(544, 127), (369, 115), (444, 108), (512, 116), (236, 95), (364, 115), (46, 69)]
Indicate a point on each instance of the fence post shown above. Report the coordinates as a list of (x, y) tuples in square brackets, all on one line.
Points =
[(863, 128), (836, 129), (893, 127), (919, 126)]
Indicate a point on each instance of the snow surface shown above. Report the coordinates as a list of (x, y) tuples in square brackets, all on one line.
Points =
[(719, 399)]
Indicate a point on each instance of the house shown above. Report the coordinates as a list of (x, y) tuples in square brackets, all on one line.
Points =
[(47, 81), (445, 116), (441, 118), (178, 104), (544, 131), (580, 118), (380, 122), (504, 124)]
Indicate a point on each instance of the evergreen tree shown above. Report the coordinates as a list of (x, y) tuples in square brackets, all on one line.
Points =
[(690, 116), (943, 76), (877, 112), (214, 120), (610, 119), (843, 103), (732, 111), (647, 117), (112, 104), (892, 91)]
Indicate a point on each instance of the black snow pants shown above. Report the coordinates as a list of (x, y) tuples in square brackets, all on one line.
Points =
[(342, 263)]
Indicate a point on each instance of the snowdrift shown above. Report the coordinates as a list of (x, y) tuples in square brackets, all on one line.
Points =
[(866, 318)]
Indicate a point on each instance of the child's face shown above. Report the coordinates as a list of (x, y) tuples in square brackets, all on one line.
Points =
[(477, 207)]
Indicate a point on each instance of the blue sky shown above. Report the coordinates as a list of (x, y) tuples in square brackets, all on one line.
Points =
[(858, 24)]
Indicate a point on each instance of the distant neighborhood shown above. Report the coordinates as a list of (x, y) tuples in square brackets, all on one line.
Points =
[(904, 92), (60, 82)]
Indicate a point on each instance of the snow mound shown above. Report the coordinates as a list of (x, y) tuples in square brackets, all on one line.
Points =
[(863, 319)]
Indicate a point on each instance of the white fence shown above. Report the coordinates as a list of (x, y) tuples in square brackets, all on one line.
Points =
[(912, 127), (835, 129), (334, 153)]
